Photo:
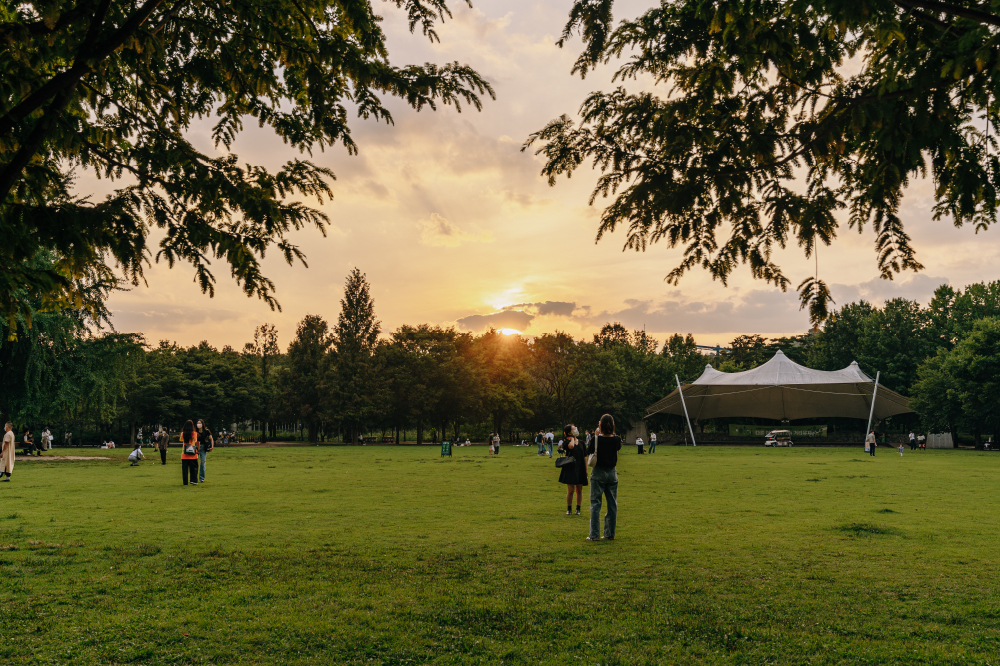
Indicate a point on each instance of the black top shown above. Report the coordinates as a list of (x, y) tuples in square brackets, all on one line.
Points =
[(575, 474), (607, 450)]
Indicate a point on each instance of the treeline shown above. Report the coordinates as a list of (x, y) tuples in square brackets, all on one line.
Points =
[(339, 381)]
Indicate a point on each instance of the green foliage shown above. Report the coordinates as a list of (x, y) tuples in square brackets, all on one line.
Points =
[(961, 387), (770, 116), (357, 383), (304, 380), (116, 86)]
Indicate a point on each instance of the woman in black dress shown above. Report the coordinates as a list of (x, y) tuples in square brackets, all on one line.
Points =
[(574, 475)]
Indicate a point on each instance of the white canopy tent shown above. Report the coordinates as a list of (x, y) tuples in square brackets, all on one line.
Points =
[(782, 389)]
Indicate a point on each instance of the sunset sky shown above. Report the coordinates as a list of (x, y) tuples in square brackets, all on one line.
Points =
[(453, 225)]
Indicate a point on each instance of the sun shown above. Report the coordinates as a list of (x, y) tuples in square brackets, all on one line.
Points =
[(510, 331)]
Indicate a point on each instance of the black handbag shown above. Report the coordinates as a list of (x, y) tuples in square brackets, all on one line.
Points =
[(565, 460)]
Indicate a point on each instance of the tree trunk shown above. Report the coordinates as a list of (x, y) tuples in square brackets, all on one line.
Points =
[(977, 439), (397, 435), (313, 432), (420, 432)]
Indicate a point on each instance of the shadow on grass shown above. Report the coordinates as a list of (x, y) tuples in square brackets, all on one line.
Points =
[(866, 530)]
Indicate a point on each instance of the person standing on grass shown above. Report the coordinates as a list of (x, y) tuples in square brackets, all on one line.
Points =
[(639, 444), (205, 444), (652, 442), (913, 441), (162, 440), (870, 444), (496, 444), (604, 478), (7, 452), (189, 454), (573, 475), (539, 443), (549, 439), (900, 450)]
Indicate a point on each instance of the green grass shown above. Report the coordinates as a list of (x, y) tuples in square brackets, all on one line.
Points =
[(383, 555)]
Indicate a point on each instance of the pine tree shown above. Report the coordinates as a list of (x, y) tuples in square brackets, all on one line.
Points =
[(358, 390)]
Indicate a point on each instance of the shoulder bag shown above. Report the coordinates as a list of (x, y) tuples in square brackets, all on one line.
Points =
[(563, 461), (592, 458)]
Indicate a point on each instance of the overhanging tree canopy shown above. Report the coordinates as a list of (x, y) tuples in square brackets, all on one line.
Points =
[(772, 115), (782, 389), (115, 85)]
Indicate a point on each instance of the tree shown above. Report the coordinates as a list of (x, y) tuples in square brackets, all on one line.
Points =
[(116, 85), (773, 115), (685, 359), (749, 351), (358, 387), (305, 380), (935, 396), (265, 349), (961, 387)]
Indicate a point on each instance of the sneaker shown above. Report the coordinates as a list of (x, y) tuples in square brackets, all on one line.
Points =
[(568, 512), (194, 483), (592, 539), (5, 480), (578, 512), (609, 538)]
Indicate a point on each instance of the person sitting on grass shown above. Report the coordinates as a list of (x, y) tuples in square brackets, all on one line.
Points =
[(136, 455)]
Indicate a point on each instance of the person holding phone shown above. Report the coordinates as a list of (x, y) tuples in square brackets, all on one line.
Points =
[(573, 475), (189, 453), (205, 444), (604, 479)]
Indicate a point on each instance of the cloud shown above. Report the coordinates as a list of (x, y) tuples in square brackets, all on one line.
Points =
[(919, 288), (558, 308), (507, 319), (169, 318), (437, 231)]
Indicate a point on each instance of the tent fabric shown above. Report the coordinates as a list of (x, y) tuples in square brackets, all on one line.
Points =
[(782, 389)]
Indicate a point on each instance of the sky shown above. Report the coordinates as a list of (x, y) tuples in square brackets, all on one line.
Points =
[(453, 225)]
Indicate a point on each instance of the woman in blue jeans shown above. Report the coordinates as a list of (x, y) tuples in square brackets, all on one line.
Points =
[(604, 479)]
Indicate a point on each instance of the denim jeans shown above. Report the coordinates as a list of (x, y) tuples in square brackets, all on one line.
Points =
[(549, 446), (541, 447), (202, 453), (603, 481), (652, 445)]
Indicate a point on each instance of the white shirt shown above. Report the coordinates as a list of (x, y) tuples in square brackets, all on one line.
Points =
[(652, 437), (638, 441)]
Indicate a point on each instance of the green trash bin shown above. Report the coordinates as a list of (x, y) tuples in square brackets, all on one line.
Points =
[(445, 448)]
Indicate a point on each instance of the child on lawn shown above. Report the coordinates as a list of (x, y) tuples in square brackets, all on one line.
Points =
[(900, 450)]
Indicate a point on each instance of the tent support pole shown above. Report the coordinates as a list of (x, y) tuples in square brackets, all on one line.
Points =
[(684, 404), (871, 412)]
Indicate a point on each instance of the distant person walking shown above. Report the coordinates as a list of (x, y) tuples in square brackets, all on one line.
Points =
[(7, 452), (540, 443), (870, 443), (900, 450), (189, 454), (652, 442), (604, 478), (549, 439), (162, 440), (573, 475), (205, 444), (496, 444)]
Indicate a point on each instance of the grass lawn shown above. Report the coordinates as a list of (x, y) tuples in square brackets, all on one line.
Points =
[(385, 555)]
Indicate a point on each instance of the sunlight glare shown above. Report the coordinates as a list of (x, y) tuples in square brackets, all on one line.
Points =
[(510, 331)]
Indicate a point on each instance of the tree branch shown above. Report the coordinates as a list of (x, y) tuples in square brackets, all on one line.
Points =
[(965, 12)]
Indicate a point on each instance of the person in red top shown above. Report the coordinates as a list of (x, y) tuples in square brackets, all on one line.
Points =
[(189, 454)]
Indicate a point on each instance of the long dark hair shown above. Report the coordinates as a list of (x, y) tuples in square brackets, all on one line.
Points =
[(204, 427), (188, 431), (607, 425)]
